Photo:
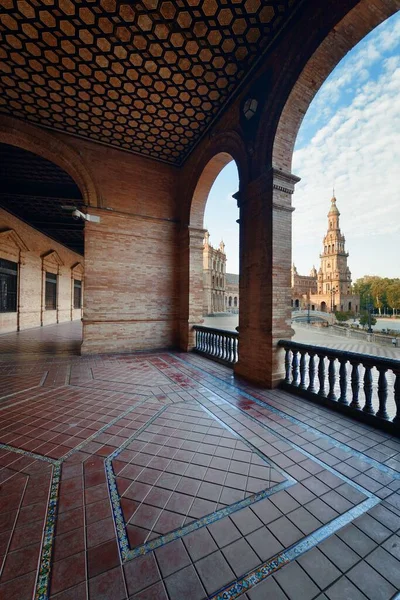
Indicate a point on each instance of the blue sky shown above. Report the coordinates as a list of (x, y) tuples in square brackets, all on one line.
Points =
[(350, 138)]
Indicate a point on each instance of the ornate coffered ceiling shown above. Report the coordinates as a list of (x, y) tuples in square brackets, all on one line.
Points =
[(148, 76)]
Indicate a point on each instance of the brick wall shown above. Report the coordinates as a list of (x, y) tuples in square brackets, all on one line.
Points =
[(132, 255), (35, 253)]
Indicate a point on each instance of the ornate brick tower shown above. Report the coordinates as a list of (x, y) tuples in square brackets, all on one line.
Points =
[(334, 277)]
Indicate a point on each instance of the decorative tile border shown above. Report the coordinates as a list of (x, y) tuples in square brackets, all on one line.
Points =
[(126, 552), (252, 578), (52, 461), (42, 585), (229, 386), (43, 578)]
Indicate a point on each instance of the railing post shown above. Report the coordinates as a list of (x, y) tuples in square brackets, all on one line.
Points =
[(287, 365), (295, 368), (311, 373), (343, 381), (382, 394), (303, 370), (321, 375), (332, 378), (355, 385), (397, 397), (368, 408)]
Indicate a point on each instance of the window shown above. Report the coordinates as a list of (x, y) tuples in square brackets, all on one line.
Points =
[(77, 293), (8, 285), (50, 301)]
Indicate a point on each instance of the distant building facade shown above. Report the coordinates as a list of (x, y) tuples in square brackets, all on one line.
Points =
[(330, 289), (220, 289), (232, 293)]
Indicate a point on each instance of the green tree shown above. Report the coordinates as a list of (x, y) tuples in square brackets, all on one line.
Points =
[(393, 295), (364, 320), (342, 316)]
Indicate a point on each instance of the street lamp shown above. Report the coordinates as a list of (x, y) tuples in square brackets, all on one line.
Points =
[(332, 299), (369, 308)]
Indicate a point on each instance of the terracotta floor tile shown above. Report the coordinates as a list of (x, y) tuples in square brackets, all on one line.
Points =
[(185, 584), (102, 558), (172, 557), (154, 592), (141, 573), (107, 586), (136, 535), (69, 543), (20, 562), (99, 532), (67, 573), (69, 520), (20, 588)]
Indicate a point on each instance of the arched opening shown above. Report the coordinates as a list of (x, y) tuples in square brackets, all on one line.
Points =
[(41, 245), (296, 303), (198, 278), (360, 21)]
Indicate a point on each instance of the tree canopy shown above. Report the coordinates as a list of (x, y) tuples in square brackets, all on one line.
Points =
[(381, 293)]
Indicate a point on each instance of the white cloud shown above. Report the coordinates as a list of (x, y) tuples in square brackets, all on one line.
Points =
[(358, 150)]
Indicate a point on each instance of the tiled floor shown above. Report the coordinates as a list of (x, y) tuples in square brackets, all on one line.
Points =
[(158, 477)]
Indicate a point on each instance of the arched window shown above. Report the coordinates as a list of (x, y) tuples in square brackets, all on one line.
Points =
[(230, 301), (213, 281), (235, 301)]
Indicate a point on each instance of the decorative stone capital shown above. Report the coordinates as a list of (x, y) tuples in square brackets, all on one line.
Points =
[(273, 179), (283, 181)]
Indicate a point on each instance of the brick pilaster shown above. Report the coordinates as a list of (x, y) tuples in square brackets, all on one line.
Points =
[(265, 261), (191, 284)]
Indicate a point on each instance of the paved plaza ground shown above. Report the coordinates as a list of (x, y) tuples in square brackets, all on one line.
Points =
[(160, 477), (317, 336)]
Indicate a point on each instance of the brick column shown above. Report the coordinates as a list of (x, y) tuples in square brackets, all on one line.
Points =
[(265, 276), (191, 293)]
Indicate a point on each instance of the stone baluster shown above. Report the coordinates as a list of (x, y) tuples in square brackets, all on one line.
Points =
[(311, 373), (397, 397), (368, 408), (343, 381), (382, 394), (355, 385), (321, 375), (295, 367), (332, 378), (303, 371), (287, 365)]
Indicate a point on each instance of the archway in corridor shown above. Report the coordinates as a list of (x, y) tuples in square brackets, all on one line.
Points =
[(41, 250), (206, 260)]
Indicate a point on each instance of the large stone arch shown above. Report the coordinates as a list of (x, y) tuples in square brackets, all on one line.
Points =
[(47, 145), (200, 176), (351, 29)]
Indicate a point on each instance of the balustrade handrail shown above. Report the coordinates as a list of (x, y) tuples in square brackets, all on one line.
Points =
[(370, 359), (215, 330), (219, 344), (359, 384)]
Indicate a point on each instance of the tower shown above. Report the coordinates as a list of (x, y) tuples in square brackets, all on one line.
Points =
[(334, 277)]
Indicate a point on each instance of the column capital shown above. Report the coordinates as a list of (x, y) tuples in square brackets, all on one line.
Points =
[(280, 180)]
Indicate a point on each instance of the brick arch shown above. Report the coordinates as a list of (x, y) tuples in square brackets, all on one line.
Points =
[(48, 146), (346, 34), (221, 150)]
